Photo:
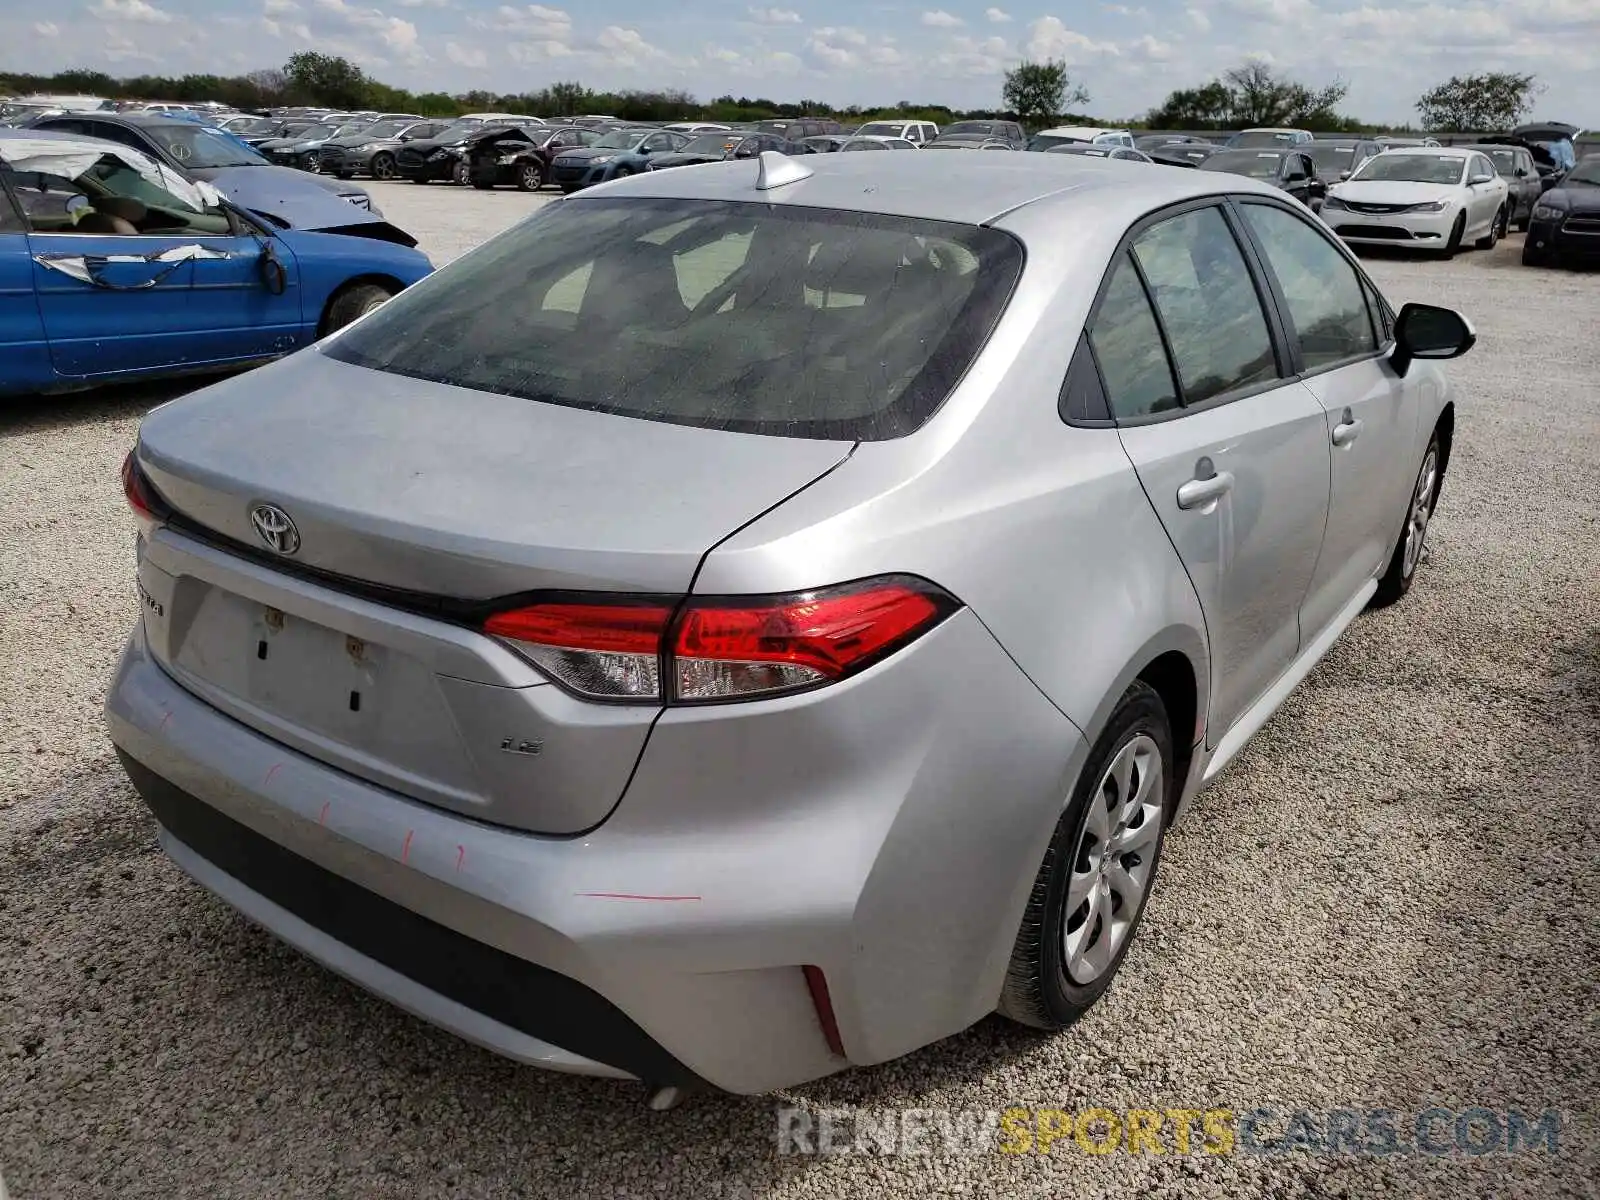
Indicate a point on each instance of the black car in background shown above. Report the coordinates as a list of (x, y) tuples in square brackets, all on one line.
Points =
[(1181, 154), (443, 156), (796, 129), (1158, 141), (1518, 167), (521, 156), (372, 151), (1006, 131), (1566, 220), (1291, 170), (1336, 159)]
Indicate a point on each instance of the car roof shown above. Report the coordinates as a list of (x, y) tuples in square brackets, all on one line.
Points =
[(1436, 151), (1274, 129), (926, 188), (1078, 131)]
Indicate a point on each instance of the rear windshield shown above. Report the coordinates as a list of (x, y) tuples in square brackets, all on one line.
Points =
[(799, 322)]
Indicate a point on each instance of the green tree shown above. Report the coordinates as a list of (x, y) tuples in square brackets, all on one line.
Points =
[(1252, 94), (1039, 91), (1495, 100), (326, 79)]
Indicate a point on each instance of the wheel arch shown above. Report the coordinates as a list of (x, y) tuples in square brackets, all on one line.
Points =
[(380, 278), (1445, 429)]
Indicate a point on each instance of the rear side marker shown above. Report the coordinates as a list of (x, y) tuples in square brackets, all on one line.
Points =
[(817, 983)]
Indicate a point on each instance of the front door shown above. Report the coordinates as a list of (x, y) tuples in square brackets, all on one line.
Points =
[(1368, 411), (131, 277), (1232, 455)]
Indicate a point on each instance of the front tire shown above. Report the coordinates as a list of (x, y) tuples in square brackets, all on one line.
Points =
[(530, 177), (382, 166), (1402, 571), (1098, 873), (461, 174), (354, 301)]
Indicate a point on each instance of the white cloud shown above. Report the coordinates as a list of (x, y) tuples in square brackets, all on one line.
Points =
[(47, 29), (757, 61), (836, 46), (465, 56), (970, 57), (1049, 38), (534, 22), (939, 19), (426, 3), (131, 10), (1198, 18), (398, 35), (625, 47), (775, 16), (527, 53), (1151, 48), (1122, 10), (277, 8), (996, 16)]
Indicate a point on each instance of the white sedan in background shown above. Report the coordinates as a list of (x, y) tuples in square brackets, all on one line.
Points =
[(1424, 197)]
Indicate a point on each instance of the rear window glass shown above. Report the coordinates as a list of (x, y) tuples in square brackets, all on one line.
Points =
[(800, 322)]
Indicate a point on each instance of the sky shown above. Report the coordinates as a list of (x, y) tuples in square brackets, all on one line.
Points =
[(1129, 55)]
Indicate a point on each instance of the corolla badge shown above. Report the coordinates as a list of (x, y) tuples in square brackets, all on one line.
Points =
[(276, 528)]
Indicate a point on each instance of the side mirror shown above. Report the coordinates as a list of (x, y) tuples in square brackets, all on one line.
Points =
[(274, 277), (1428, 331)]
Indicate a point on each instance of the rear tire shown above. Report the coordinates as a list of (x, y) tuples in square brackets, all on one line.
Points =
[(1456, 232), (1067, 952), (352, 301), (461, 174), (1407, 557)]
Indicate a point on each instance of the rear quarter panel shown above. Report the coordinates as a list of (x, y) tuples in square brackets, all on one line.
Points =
[(1041, 528)]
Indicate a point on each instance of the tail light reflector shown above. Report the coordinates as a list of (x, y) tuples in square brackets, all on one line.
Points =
[(721, 648), (603, 651), (141, 497)]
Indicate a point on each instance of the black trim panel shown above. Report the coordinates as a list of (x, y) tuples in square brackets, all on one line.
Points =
[(519, 994)]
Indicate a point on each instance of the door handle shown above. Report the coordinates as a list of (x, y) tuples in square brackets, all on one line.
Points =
[(1198, 493), (1346, 431)]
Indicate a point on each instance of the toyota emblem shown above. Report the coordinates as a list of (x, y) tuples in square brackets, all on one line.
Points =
[(276, 528)]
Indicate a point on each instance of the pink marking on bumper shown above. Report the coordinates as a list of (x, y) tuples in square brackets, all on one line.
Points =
[(271, 771), (405, 850)]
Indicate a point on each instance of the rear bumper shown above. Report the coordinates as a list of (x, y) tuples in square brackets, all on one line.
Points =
[(888, 835)]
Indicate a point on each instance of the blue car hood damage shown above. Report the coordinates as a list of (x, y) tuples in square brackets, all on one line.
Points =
[(293, 204)]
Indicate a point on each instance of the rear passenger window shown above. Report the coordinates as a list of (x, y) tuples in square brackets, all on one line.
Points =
[(1127, 345), (1208, 304), (1327, 305)]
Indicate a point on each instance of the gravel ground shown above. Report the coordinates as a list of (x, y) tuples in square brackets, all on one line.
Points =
[(1389, 901)]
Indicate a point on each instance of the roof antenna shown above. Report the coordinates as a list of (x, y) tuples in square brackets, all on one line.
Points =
[(775, 170)]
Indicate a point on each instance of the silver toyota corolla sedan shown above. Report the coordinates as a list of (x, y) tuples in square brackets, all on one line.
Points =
[(760, 618)]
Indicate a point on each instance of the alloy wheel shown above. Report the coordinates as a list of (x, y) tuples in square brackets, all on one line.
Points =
[(383, 167), (461, 173), (1421, 512), (1114, 860)]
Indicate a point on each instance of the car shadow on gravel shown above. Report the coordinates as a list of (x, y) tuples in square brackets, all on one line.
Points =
[(66, 410)]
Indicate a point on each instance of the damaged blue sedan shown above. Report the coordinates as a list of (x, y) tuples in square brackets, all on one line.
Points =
[(115, 267)]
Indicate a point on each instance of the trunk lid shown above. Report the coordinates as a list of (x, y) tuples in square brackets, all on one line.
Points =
[(435, 491)]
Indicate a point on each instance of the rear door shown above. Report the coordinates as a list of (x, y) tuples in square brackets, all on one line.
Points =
[(1232, 453), (1370, 412)]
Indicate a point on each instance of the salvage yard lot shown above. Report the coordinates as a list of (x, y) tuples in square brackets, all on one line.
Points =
[(1391, 900)]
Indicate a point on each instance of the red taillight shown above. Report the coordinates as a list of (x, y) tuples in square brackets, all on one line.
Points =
[(722, 648), (140, 496), (726, 649), (606, 651)]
